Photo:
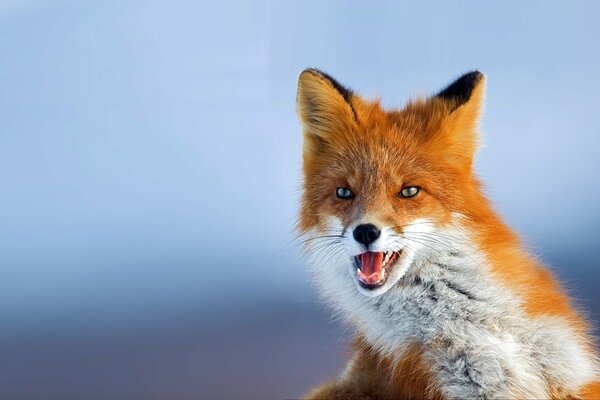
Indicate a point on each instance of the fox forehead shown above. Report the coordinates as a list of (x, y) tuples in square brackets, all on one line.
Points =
[(380, 166), (373, 163)]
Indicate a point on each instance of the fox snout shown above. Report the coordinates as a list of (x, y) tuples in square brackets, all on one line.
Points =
[(366, 234)]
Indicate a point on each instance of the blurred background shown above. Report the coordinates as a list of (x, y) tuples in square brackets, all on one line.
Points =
[(150, 175)]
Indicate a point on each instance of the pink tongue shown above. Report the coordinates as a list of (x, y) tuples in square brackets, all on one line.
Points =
[(370, 271)]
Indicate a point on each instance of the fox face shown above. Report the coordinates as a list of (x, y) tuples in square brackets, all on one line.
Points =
[(381, 185)]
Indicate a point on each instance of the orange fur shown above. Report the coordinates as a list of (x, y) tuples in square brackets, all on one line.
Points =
[(372, 376), (591, 391), (434, 142)]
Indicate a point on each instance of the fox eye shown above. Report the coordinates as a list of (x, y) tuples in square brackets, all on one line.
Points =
[(409, 191), (344, 193)]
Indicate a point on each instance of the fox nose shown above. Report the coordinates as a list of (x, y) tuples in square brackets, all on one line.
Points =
[(366, 233)]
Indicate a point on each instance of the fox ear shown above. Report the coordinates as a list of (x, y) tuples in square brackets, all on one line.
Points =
[(463, 90), (463, 100), (323, 105)]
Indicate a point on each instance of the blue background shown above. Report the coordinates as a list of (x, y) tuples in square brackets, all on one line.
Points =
[(150, 176)]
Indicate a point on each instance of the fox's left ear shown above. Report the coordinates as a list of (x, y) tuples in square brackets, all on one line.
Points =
[(463, 101), (324, 107)]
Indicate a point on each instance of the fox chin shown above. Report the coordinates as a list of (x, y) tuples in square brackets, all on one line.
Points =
[(445, 300)]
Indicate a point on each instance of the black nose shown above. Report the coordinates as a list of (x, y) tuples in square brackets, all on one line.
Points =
[(366, 233)]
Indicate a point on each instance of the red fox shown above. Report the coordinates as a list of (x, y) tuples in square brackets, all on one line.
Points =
[(445, 300)]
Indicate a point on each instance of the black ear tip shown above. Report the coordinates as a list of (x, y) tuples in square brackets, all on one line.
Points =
[(461, 89), (318, 73), (311, 71), (343, 90), (477, 75), (473, 77)]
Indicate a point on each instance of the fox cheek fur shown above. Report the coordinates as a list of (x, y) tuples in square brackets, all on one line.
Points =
[(445, 300)]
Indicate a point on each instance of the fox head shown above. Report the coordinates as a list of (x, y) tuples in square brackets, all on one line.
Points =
[(378, 183)]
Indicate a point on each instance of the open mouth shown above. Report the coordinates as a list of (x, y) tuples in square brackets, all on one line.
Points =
[(373, 268)]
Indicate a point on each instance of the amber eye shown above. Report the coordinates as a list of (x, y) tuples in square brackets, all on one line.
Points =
[(344, 193), (409, 191)]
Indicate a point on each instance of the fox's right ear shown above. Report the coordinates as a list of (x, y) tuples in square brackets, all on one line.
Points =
[(324, 106)]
